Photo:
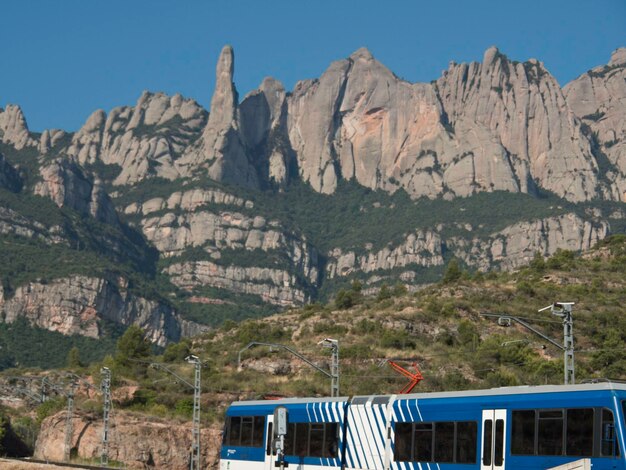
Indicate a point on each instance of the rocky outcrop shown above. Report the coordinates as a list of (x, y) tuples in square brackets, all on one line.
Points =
[(508, 249), (75, 305), (13, 128), (134, 440), (263, 122), (517, 244), (214, 231), (188, 201), (598, 97), (274, 286), (51, 138), (522, 107), (66, 184), (13, 223), (220, 150), (422, 248), (142, 141)]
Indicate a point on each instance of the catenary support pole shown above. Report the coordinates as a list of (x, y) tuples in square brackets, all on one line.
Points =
[(106, 411)]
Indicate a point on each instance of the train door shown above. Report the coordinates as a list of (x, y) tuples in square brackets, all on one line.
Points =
[(493, 442), (270, 454)]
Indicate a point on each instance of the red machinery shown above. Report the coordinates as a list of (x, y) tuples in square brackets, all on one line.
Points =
[(415, 378)]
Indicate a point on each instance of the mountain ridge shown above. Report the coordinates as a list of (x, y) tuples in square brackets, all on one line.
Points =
[(234, 204)]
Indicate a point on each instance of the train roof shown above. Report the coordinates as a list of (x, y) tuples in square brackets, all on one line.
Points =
[(518, 390)]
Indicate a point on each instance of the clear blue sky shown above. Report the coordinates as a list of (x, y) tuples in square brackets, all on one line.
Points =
[(61, 60)]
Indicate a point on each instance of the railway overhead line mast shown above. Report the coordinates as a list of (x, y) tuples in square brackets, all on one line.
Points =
[(329, 343)]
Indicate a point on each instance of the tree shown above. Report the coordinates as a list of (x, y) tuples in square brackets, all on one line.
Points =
[(344, 299), (73, 358), (538, 264), (177, 351), (384, 293), (453, 272), (132, 345)]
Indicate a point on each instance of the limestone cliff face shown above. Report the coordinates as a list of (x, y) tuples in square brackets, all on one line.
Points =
[(275, 286), (598, 97), (67, 185), (508, 249), (200, 218), (422, 248), (517, 244), (522, 108), (74, 305), (134, 440), (499, 125)]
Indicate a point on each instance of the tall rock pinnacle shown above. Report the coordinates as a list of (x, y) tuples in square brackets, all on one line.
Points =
[(221, 147), (225, 99)]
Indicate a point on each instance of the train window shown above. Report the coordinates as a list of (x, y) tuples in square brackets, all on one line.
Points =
[(609, 446), (312, 440), (498, 455), (331, 446), (258, 431), (465, 442), (302, 439), (247, 427), (316, 440), (444, 442), (523, 432), (579, 434), (487, 438), (290, 439), (245, 431), (550, 432), (404, 437), (234, 434), (423, 445)]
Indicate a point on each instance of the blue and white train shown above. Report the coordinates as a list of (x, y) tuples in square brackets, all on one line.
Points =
[(498, 429)]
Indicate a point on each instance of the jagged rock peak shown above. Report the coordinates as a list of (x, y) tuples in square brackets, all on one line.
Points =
[(362, 53), (270, 84), (13, 127), (95, 121), (618, 56), (490, 56)]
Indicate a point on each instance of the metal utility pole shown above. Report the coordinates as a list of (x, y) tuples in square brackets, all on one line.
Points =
[(106, 394), (333, 344), (333, 375), (44, 389), (563, 310), (195, 443), (69, 429), (194, 463)]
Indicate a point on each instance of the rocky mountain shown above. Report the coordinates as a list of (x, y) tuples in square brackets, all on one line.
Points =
[(169, 216)]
